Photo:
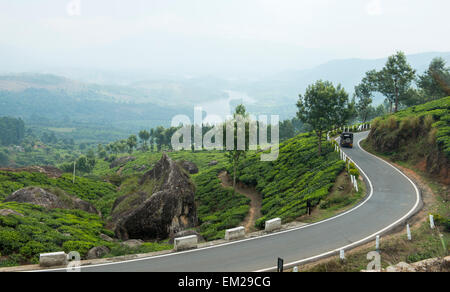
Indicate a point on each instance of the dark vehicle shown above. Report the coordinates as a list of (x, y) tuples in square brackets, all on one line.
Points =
[(346, 140)]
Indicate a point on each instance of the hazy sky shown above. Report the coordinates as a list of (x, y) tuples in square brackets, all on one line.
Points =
[(213, 36)]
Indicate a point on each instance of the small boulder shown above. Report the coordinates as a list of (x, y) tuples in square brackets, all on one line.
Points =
[(213, 163), (6, 212), (133, 243), (106, 238), (97, 252), (189, 166)]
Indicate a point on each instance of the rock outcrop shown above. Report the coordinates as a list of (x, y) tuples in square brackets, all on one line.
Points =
[(121, 161), (162, 205), (189, 166), (7, 212), (429, 265), (49, 171), (50, 199)]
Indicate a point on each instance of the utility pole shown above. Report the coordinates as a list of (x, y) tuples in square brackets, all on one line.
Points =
[(73, 181)]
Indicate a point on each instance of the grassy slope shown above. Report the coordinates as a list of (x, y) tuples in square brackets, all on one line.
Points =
[(418, 135)]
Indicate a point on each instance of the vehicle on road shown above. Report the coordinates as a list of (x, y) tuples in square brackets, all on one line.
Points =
[(346, 140)]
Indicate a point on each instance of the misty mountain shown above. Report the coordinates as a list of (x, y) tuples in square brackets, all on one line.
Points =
[(285, 87), (155, 100)]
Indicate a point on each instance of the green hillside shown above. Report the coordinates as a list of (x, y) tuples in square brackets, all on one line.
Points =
[(298, 175), (419, 135)]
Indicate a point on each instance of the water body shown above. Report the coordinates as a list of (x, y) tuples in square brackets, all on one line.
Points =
[(217, 111)]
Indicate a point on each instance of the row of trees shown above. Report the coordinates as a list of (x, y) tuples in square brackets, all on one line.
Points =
[(12, 131), (395, 81)]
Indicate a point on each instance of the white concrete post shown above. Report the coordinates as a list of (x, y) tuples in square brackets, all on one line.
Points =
[(295, 270), (377, 242), (356, 185), (235, 233), (342, 255), (185, 243), (408, 232), (432, 221)]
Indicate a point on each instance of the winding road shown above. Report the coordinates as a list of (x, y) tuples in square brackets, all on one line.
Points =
[(391, 200)]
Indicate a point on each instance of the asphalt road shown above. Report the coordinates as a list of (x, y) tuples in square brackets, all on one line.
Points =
[(392, 198)]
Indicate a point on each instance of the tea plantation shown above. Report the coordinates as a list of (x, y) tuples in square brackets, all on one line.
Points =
[(297, 176)]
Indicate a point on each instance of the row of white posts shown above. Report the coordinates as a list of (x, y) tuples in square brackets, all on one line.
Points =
[(347, 129), (377, 239), (347, 161), (191, 242)]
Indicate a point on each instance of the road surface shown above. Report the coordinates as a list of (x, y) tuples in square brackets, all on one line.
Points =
[(391, 199)]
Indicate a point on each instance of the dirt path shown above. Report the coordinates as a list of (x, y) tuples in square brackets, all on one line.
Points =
[(249, 192)]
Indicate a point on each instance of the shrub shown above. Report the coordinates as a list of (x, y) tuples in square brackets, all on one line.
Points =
[(81, 247), (32, 248)]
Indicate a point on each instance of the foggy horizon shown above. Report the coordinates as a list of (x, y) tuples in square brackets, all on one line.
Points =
[(227, 39)]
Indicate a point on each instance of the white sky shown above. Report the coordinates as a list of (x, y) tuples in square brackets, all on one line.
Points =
[(141, 33)]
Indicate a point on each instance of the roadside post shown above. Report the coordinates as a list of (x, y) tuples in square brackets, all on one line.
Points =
[(280, 265), (342, 255)]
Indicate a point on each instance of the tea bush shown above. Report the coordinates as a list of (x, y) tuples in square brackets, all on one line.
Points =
[(218, 208), (297, 176)]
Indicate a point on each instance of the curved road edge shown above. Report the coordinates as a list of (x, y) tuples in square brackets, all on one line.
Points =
[(417, 207)]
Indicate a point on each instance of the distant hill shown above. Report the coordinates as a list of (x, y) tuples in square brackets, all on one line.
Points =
[(155, 100), (285, 87)]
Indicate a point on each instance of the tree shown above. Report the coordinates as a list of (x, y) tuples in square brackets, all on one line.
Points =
[(287, 130), (4, 160), (435, 82), (12, 131), (363, 93), (132, 143), (236, 154), (322, 107), (144, 135), (394, 80), (159, 137), (152, 139), (91, 158)]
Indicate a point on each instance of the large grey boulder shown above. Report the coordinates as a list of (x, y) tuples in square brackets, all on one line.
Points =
[(50, 199), (162, 205)]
